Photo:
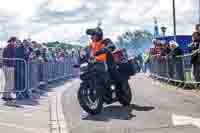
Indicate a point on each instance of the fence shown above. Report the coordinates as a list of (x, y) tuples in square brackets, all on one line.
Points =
[(178, 69), (24, 77)]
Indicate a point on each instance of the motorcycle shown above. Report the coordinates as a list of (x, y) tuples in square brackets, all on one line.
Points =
[(99, 87)]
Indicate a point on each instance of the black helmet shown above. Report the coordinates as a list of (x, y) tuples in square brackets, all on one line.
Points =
[(96, 31)]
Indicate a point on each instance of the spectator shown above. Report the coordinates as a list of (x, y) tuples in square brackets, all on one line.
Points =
[(146, 61), (36, 49), (141, 61), (169, 64), (176, 61), (9, 68), (195, 59), (50, 55), (58, 50), (74, 57), (158, 48), (28, 49), (44, 55), (37, 54), (167, 48), (1, 56), (21, 64), (176, 50), (66, 53), (163, 51), (197, 28), (40, 47), (54, 54), (61, 55)]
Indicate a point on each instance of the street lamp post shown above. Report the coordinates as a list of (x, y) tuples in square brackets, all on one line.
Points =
[(174, 19), (156, 32), (163, 29), (199, 10)]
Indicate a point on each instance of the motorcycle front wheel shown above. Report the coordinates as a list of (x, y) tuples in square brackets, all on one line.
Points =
[(90, 98)]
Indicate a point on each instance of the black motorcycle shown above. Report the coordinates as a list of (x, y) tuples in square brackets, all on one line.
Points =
[(98, 86)]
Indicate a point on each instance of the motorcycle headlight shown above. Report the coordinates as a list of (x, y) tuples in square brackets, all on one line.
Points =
[(84, 65)]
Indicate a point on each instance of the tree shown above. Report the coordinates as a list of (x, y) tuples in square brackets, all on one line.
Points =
[(62, 45), (135, 42)]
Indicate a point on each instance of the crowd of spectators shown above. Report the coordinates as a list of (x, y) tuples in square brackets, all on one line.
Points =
[(171, 51), (17, 52), (31, 50), (167, 53), (163, 48)]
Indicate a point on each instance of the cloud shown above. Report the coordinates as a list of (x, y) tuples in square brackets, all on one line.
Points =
[(64, 5), (47, 20)]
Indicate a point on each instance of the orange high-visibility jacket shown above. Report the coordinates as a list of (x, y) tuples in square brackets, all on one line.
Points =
[(96, 46)]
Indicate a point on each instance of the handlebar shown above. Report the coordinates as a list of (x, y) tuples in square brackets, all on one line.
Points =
[(108, 48)]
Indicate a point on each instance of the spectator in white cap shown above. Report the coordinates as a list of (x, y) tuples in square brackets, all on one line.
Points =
[(176, 52), (173, 44)]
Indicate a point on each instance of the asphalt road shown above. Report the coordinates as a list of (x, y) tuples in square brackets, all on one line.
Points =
[(153, 110)]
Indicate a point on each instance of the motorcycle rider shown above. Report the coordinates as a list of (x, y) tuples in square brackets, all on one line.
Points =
[(100, 85), (98, 44)]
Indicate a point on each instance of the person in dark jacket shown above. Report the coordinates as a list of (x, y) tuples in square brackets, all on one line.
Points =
[(22, 54), (9, 55), (36, 50), (168, 50), (195, 58), (28, 49), (177, 63), (44, 54)]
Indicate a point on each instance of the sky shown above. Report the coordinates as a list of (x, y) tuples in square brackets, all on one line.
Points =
[(67, 20)]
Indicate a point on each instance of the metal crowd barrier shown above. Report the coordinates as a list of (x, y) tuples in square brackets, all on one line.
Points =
[(178, 69), (13, 76), (24, 77), (51, 71)]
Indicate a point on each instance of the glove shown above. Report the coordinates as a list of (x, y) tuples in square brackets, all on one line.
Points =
[(82, 53)]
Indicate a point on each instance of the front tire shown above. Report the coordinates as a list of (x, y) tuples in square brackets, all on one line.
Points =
[(126, 95), (86, 102)]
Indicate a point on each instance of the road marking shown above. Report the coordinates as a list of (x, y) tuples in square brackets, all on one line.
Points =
[(24, 114), (179, 120), (18, 127), (58, 121)]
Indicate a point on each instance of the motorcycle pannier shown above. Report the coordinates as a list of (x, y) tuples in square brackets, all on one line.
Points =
[(120, 56), (125, 65), (127, 69)]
